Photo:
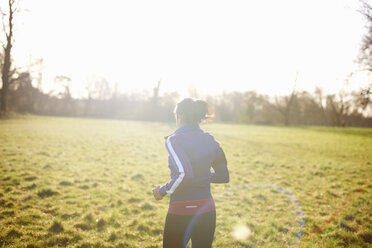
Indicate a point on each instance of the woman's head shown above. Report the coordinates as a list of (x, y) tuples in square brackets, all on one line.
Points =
[(189, 111)]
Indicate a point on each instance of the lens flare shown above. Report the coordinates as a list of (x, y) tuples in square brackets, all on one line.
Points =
[(241, 232)]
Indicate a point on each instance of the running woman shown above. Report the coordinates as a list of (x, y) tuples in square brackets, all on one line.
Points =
[(191, 155)]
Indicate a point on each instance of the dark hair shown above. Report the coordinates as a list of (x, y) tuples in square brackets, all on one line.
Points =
[(194, 111)]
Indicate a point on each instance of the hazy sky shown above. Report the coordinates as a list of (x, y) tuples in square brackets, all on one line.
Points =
[(211, 45)]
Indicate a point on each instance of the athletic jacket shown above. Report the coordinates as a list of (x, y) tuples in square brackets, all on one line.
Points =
[(191, 155)]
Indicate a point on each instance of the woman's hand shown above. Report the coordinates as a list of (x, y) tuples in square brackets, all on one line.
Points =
[(156, 192)]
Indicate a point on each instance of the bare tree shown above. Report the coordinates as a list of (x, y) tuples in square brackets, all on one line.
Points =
[(285, 107), (62, 86), (155, 103), (338, 108), (6, 73), (319, 99), (365, 55), (35, 68), (98, 90)]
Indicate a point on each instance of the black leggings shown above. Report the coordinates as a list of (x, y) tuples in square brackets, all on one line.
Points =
[(180, 228)]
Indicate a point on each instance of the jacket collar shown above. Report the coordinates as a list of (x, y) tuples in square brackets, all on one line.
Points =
[(185, 129)]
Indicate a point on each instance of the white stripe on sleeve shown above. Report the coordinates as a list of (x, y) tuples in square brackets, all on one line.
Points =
[(179, 166)]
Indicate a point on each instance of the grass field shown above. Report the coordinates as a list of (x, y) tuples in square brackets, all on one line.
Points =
[(87, 183)]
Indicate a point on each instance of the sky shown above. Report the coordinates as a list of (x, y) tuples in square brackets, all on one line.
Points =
[(213, 46)]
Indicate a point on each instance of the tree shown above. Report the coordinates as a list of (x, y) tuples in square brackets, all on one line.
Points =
[(285, 107), (338, 107), (319, 100), (6, 73), (98, 88), (62, 89), (62, 86), (99, 91), (365, 55), (22, 94), (154, 107)]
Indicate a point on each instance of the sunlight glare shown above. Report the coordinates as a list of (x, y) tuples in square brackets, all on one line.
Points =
[(241, 232)]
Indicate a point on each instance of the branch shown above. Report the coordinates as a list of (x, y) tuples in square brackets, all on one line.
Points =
[(3, 15), (16, 6)]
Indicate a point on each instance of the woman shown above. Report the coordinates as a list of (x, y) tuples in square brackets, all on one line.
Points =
[(192, 153)]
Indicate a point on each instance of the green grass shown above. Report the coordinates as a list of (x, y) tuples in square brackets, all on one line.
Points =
[(87, 183)]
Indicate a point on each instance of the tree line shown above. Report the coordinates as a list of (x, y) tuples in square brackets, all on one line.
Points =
[(19, 94), (105, 101)]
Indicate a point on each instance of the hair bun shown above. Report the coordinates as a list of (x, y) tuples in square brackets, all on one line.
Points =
[(194, 111), (201, 109)]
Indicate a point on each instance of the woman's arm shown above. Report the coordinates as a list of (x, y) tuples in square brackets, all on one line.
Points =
[(221, 172), (182, 168)]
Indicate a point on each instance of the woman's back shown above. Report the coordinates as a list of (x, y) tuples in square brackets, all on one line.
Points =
[(195, 150), (192, 154)]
